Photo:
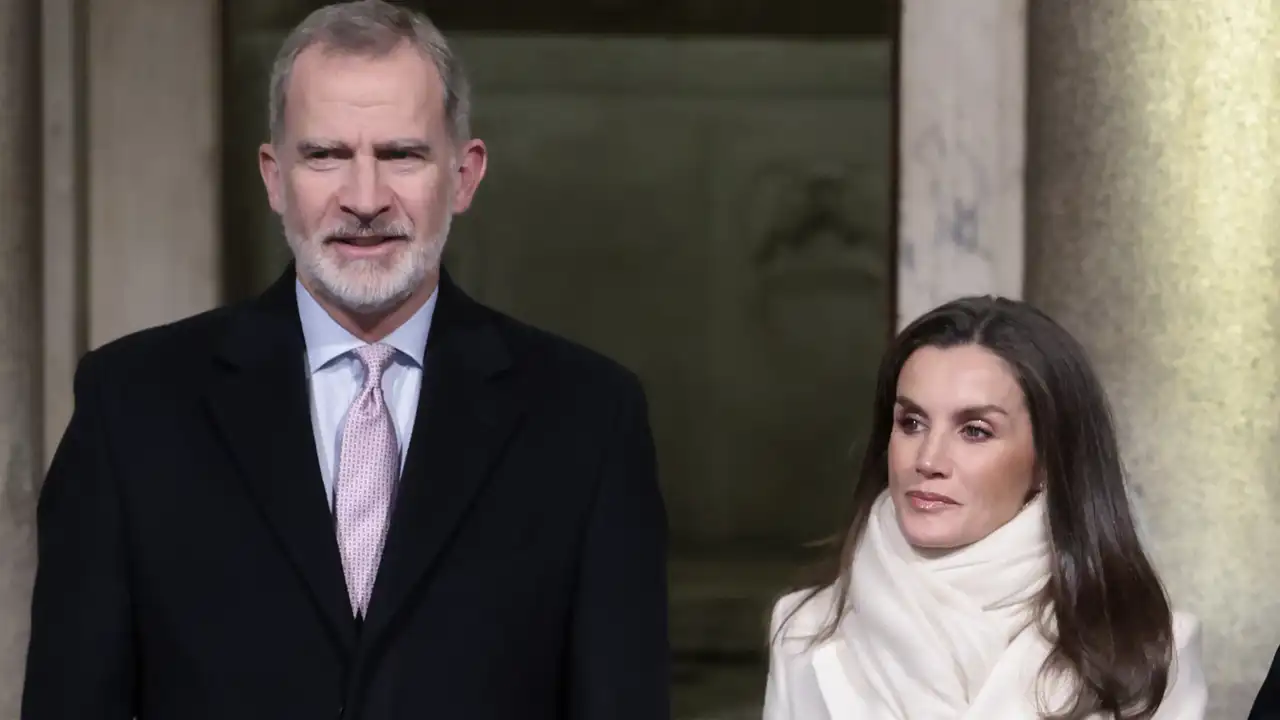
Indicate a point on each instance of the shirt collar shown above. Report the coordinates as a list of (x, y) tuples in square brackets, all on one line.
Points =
[(326, 340)]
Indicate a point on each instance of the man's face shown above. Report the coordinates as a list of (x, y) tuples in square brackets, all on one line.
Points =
[(367, 177)]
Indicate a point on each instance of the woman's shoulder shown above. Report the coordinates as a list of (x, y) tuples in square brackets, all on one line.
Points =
[(1186, 630), (1187, 640), (801, 615), (1188, 693)]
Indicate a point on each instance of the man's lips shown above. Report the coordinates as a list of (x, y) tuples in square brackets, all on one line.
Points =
[(365, 240)]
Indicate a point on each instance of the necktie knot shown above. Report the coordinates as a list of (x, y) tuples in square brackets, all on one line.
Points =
[(376, 359)]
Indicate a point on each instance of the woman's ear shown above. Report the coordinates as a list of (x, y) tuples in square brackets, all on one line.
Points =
[(1037, 485)]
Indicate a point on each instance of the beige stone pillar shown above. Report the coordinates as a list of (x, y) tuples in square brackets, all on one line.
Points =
[(132, 231), (962, 85), (1154, 235), (19, 331), (65, 315), (153, 158)]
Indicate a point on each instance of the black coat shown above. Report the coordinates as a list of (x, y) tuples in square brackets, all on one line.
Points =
[(1267, 705), (189, 569)]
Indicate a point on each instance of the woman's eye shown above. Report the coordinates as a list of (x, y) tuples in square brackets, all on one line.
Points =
[(975, 432), (909, 424)]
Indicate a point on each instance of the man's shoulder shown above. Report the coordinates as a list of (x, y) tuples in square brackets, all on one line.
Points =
[(185, 343), (555, 359)]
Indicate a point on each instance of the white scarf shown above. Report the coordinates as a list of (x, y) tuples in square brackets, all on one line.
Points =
[(924, 635)]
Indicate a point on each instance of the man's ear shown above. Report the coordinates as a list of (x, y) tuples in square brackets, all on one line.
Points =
[(269, 168), (472, 160)]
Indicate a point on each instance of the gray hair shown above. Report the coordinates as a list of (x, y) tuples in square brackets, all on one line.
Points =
[(373, 28)]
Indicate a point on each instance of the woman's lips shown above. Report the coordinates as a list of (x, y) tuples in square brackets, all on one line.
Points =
[(921, 500)]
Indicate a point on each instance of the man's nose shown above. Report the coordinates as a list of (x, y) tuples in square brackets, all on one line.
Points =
[(365, 195)]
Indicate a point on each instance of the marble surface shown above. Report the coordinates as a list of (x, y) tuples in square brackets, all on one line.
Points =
[(1152, 205), (961, 154)]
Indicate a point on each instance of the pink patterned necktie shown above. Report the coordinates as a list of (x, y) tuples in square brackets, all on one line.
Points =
[(368, 467)]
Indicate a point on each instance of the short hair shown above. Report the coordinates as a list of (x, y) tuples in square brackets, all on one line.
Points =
[(372, 28)]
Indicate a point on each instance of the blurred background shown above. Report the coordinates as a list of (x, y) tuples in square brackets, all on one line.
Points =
[(741, 200)]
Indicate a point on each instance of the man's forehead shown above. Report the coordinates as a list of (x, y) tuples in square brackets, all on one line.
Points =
[(359, 100), (327, 74)]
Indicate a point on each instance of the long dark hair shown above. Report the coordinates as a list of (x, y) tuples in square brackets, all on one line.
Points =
[(1113, 629)]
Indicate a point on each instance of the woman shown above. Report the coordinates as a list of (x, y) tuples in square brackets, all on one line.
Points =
[(992, 570)]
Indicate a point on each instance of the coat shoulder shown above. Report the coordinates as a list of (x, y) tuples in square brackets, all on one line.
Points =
[(799, 617), (559, 356), (1189, 684), (185, 343)]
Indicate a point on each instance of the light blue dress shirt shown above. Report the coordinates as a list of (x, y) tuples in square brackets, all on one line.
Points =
[(335, 377)]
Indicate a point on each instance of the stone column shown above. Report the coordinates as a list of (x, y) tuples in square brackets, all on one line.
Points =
[(63, 248), (19, 331), (132, 233), (962, 118), (153, 161), (1154, 235)]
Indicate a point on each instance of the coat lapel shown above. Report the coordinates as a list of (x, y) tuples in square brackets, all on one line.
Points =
[(262, 409), (466, 411)]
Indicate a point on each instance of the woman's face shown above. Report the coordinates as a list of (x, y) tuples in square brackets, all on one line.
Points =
[(962, 453)]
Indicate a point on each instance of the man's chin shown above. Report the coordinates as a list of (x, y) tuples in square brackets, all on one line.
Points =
[(367, 290), (361, 301), (369, 285)]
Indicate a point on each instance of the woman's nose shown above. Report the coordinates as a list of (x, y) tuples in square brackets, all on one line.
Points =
[(932, 460)]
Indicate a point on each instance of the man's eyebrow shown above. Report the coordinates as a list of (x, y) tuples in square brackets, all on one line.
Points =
[(310, 147), (404, 145)]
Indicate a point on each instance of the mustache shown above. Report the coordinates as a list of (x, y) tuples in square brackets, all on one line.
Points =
[(355, 229)]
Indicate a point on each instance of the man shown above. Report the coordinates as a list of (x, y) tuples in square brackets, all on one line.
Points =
[(1266, 705), (362, 495)]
